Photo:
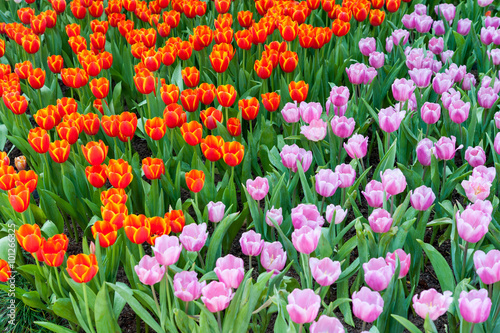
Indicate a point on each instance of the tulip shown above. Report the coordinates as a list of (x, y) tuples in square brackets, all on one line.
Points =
[(303, 306), (475, 156), (226, 95), (95, 152), (276, 214), (54, 249), (404, 261), (441, 83), (448, 97), (487, 266), (290, 155), (298, 91), (486, 97), (376, 60), (421, 77), (230, 271), (215, 211), (390, 119), (107, 232), (310, 111), (378, 273), (367, 305), (325, 271), (394, 181), (380, 220), (149, 270), (136, 228), (475, 306), (464, 26), (249, 108), (82, 268), (327, 182), (273, 257), (216, 296), (176, 220), (5, 272), (422, 198), (194, 236), (342, 126), (472, 224), (257, 188), (29, 237), (233, 153), (167, 250), (271, 101), (251, 243), (445, 148), (356, 146), (187, 287), (291, 113), (459, 111), (327, 324), (488, 174), (430, 112), (119, 173), (305, 240), (19, 198), (496, 143), (402, 89), (347, 175), (339, 96), (431, 303), (340, 213), (425, 149), (367, 45)]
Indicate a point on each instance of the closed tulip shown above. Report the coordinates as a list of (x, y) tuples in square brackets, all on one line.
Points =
[(356, 146), (96, 175), (424, 150), (380, 220), (82, 267), (136, 228), (194, 236), (487, 266), (327, 324), (167, 250), (192, 132), (54, 249), (445, 148), (430, 112), (195, 179), (327, 182), (475, 156), (257, 188), (390, 119), (251, 243), (422, 198), (273, 257), (325, 271), (394, 181), (404, 261), (303, 306), (306, 215), (342, 126), (176, 220), (305, 240), (230, 271), (29, 237), (119, 173), (149, 270), (475, 306), (431, 303), (340, 213), (275, 214), (187, 287), (107, 232), (216, 296), (19, 198), (472, 224), (298, 91), (95, 152), (211, 147), (233, 153)]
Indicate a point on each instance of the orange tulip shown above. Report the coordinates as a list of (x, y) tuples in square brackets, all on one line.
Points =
[(312, 4), (226, 95), (114, 212), (29, 237), (5, 272), (91, 123), (144, 82), (39, 140), (360, 11), (340, 28), (25, 14), (206, 93), (288, 29), (96, 175), (184, 50), (244, 39), (259, 32), (153, 168), (211, 147), (189, 100), (298, 91), (54, 249), (191, 76), (8, 177), (59, 150), (72, 30), (176, 220), (233, 126), (114, 195), (263, 68), (31, 43), (23, 69), (158, 226), (81, 267), (168, 54), (66, 106), (192, 132), (245, 18), (155, 128), (95, 152), (271, 101), (376, 17), (16, 103), (202, 36), (224, 35), (127, 124), (392, 5), (110, 125), (100, 26), (169, 93), (107, 233), (249, 108), (36, 78), (99, 87), (288, 61), (219, 60), (151, 59), (68, 131), (136, 228), (377, 4), (163, 29), (174, 116), (210, 117), (55, 63), (20, 163), (4, 158), (74, 77), (119, 173), (232, 153), (344, 14), (27, 178)]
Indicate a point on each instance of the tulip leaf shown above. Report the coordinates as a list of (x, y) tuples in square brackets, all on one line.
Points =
[(63, 308), (104, 317), (216, 240), (308, 195), (32, 299), (53, 327), (185, 323), (208, 323), (407, 324), (387, 161), (441, 267)]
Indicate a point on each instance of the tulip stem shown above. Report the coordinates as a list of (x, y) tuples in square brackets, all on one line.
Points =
[(129, 141), (201, 260), (472, 328), (301, 327), (363, 326), (156, 300), (40, 268), (59, 282), (219, 321), (141, 251), (322, 205), (196, 199), (465, 259), (444, 178), (392, 203), (84, 285), (168, 295), (249, 262), (213, 172)]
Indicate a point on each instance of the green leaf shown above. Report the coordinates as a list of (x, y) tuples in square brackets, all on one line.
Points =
[(387, 161), (54, 327), (32, 299), (441, 267), (308, 195), (216, 240), (407, 324), (103, 313), (64, 309)]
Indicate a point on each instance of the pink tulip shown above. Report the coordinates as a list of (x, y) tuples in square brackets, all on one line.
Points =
[(251, 243), (438, 27), (487, 173), (496, 38), (497, 119), (494, 56), (469, 81), (378, 273), (447, 55), (455, 72), (367, 45), (487, 35), (367, 305), (483, 206), (463, 26), (496, 143), (273, 257), (421, 76), (310, 111), (423, 23), (389, 119), (487, 266), (448, 97), (149, 271), (380, 221), (422, 198), (347, 175), (327, 182), (445, 148), (356, 73), (187, 287), (432, 303), (215, 211), (370, 74), (486, 97), (194, 236), (476, 188), (486, 83), (475, 156), (424, 151), (216, 296), (404, 261), (167, 250), (339, 96), (306, 214), (374, 194), (472, 224), (459, 111), (389, 44), (436, 66), (276, 214), (442, 83), (394, 181), (305, 240), (327, 324), (303, 306), (230, 271), (484, 3), (356, 146), (376, 59), (475, 306), (290, 155), (490, 21), (430, 112), (291, 113), (402, 89), (325, 271), (258, 188), (408, 20), (400, 36), (420, 9), (337, 110), (316, 131), (340, 213), (342, 126), (436, 45)]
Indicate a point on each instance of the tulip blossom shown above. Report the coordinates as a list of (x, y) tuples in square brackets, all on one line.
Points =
[(459, 111), (339, 96), (389, 119), (374, 194), (187, 287), (402, 89), (356, 146), (310, 111), (472, 224), (432, 303), (327, 182), (444, 148), (276, 214), (487, 266), (422, 198), (149, 270), (251, 243), (290, 155), (216, 296), (476, 188), (315, 131), (340, 214), (380, 220), (258, 188), (430, 112), (475, 306), (325, 271), (378, 273), (230, 271), (167, 250), (305, 240), (327, 324), (342, 126), (303, 305), (394, 181), (194, 236), (367, 305), (291, 113), (475, 156), (404, 261), (273, 257)]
